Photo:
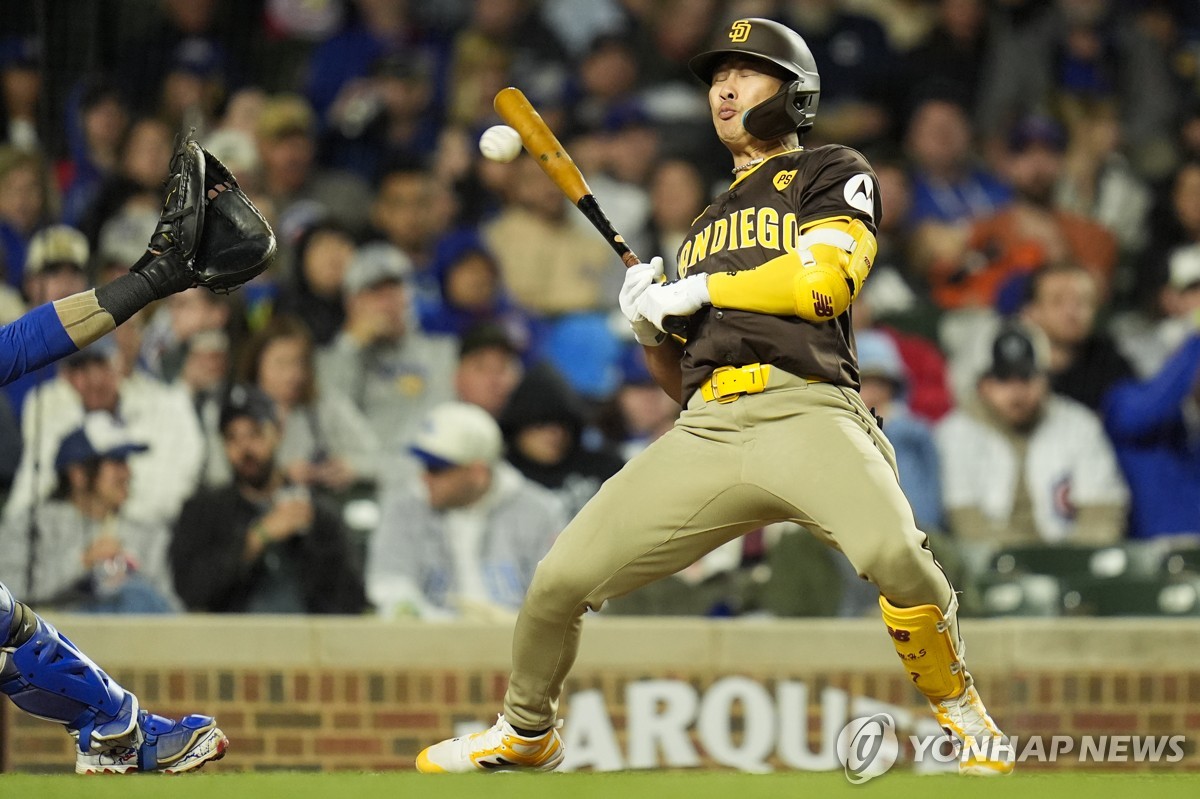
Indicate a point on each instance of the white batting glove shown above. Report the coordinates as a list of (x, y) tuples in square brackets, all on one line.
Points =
[(638, 278), (681, 298)]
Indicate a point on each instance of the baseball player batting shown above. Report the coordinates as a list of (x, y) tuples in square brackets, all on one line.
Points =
[(773, 428), (211, 235)]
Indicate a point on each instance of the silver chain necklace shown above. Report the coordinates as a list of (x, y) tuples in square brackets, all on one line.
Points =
[(748, 165)]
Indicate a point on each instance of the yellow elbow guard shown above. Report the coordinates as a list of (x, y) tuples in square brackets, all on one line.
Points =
[(822, 293), (842, 242), (923, 640), (816, 281)]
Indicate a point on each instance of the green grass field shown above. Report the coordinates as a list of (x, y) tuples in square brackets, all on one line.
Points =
[(625, 785)]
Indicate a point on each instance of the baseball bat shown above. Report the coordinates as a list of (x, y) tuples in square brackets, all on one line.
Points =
[(520, 115)]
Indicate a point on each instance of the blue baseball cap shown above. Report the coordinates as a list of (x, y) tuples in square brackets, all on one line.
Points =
[(101, 437)]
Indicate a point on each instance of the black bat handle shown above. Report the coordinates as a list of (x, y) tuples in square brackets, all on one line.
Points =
[(589, 207)]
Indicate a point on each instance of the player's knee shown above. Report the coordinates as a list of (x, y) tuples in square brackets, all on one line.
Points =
[(558, 584), (896, 558)]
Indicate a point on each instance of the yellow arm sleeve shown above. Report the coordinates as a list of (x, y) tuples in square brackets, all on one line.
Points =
[(817, 282)]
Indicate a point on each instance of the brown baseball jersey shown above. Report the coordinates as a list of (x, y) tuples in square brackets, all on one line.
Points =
[(757, 220)]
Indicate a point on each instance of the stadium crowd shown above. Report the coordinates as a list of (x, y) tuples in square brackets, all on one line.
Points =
[(400, 415)]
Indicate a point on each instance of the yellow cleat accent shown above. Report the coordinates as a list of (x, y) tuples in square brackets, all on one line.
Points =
[(985, 751), (499, 748)]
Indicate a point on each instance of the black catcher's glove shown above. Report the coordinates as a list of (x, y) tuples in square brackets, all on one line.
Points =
[(237, 244), (167, 262), (209, 233)]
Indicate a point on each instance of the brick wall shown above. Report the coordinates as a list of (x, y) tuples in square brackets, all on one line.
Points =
[(378, 715)]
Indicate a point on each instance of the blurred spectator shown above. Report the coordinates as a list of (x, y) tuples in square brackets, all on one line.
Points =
[(261, 545), (243, 110), (858, 68), (1174, 223), (88, 555), (21, 74), (24, 206), (1098, 181), (56, 266), (883, 384), (54, 269), (411, 211), (138, 183), (388, 117), (1030, 233), (95, 147), (893, 281), (376, 29), (489, 368), (237, 150), (390, 369), (544, 426), (1080, 49), (466, 538), (180, 317), (949, 186), (298, 188), (470, 291), (677, 197), (326, 443), (626, 150), (577, 23), (205, 377), (666, 35), (503, 43), (1147, 342), (639, 411), (951, 59), (1154, 422), (188, 31), (927, 391), (1083, 362), (92, 380), (550, 264), (1022, 465), (608, 78), (193, 84), (314, 292)]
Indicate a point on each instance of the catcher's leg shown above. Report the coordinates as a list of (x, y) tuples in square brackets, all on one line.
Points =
[(48, 676), (843, 485)]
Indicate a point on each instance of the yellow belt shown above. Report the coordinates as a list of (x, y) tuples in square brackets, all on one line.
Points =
[(727, 383)]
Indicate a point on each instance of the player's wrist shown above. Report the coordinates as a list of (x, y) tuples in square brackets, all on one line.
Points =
[(646, 334)]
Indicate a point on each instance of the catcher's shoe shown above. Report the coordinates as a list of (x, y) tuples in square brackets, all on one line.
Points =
[(159, 744), (985, 751), (500, 748)]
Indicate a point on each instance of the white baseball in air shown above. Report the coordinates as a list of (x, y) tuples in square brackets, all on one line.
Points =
[(500, 143)]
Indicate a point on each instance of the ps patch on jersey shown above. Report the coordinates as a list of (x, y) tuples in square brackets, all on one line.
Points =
[(860, 193), (784, 178)]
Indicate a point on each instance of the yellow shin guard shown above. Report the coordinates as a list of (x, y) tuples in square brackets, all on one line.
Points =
[(922, 638)]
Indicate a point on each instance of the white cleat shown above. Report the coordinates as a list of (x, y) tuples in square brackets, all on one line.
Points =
[(985, 751), (499, 748)]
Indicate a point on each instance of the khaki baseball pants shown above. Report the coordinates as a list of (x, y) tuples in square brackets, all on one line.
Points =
[(805, 452)]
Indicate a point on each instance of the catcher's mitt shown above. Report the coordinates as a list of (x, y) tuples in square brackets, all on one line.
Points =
[(209, 233), (167, 262), (237, 243)]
